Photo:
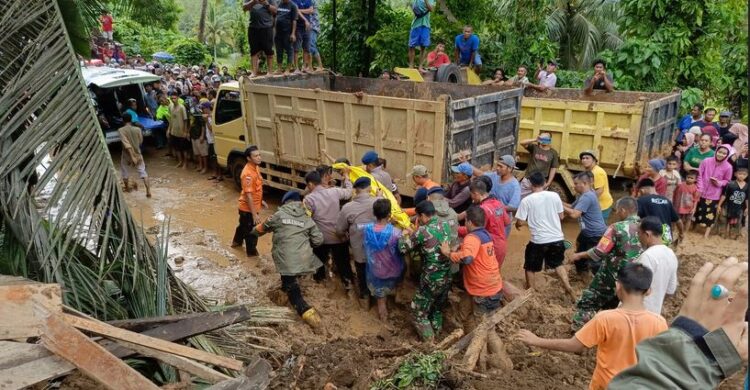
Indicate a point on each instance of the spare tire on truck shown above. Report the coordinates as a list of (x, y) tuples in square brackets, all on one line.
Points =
[(448, 73)]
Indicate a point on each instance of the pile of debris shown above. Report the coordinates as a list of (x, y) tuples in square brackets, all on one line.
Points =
[(41, 339)]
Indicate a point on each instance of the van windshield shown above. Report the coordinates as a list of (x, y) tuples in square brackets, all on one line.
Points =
[(228, 107)]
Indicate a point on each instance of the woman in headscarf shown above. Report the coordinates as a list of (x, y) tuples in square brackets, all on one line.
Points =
[(740, 131), (385, 264), (687, 142), (713, 175), (652, 172)]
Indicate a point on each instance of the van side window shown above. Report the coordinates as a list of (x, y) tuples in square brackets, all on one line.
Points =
[(228, 107)]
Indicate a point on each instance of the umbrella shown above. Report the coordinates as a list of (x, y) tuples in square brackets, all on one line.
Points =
[(163, 56)]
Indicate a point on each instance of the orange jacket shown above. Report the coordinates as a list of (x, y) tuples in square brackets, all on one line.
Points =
[(481, 270)]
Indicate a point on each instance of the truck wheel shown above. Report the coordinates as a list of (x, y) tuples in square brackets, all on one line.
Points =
[(448, 73), (560, 190), (236, 167)]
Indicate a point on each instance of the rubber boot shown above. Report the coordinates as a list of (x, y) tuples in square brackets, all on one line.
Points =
[(148, 187), (311, 317)]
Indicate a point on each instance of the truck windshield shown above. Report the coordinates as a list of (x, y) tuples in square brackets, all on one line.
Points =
[(228, 107)]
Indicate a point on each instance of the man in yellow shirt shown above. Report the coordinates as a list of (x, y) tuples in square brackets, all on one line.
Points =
[(590, 162)]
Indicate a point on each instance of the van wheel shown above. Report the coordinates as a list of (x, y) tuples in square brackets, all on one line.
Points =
[(236, 170), (448, 73), (560, 189)]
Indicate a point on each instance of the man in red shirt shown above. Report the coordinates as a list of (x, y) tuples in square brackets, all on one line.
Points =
[(107, 22), (495, 217), (437, 57)]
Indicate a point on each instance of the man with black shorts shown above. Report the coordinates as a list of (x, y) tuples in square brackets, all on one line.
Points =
[(542, 212), (260, 31)]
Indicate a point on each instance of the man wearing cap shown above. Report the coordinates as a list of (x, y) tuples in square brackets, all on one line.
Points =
[(422, 180), (444, 213), (250, 202), (351, 222), (458, 195), (590, 163), (547, 77), (542, 158), (725, 122), (435, 280), (324, 205), (505, 186), (650, 203), (375, 169), (294, 236)]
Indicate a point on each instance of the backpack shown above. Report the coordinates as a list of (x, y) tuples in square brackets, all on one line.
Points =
[(418, 13)]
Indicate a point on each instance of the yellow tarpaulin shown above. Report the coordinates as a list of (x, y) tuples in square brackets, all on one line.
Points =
[(398, 216)]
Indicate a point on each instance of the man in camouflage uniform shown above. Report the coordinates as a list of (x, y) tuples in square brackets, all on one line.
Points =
[(618, 246), (435, 280)]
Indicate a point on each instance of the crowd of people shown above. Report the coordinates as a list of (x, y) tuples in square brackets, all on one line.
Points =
[(457, 237)]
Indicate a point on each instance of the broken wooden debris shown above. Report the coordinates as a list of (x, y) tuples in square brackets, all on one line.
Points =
[(64, 340), (111, 332), (17, 298), (220, 318)]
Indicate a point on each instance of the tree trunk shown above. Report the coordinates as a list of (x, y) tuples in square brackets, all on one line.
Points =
[(202, 21)]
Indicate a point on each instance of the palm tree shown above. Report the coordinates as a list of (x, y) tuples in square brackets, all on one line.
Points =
[(583, 28), (202, 21), (216, 32), (63, 217)]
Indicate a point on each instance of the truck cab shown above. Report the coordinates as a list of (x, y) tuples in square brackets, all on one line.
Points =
[(230, 133)]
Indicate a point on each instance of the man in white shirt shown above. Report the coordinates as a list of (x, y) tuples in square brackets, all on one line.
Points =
[(542, 212), (547, 77), (660, 259)]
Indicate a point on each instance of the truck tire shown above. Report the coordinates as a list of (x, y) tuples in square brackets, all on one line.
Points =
[(235, 169), (448, 73), (561, 190)]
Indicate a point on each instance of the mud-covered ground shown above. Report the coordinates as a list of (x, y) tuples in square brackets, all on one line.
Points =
[(353, 347)]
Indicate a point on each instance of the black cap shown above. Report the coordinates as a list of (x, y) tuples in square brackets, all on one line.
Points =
[(425, 207)]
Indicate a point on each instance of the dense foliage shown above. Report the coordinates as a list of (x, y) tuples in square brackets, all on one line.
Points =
[(190, 52), (139, 39)]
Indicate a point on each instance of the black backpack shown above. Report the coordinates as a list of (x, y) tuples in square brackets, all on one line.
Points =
[(417, 12)]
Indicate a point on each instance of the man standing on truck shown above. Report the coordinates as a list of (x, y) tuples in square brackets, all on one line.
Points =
[(467, 49), (520, 78), (542, 159), (250, 202), (260, 31), (600, 80), (601, 184), (437, 57), (324, 206), (419, 35), (547, 78), (376, 170)]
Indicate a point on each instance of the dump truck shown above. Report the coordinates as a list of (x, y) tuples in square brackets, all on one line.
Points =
[(625, 128), (302, 121)]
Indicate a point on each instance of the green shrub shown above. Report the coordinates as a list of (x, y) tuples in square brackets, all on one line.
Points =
[(190, 52)]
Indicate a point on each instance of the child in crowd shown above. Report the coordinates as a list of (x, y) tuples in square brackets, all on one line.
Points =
[(615, 332), (672, 174), (735, 202), (385, 264), (686, 197), (211, 160)]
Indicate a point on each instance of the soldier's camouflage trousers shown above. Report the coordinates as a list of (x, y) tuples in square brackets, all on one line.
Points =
[(428, 303)]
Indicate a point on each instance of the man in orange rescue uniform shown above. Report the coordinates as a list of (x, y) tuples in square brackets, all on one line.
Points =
[(250, 202)]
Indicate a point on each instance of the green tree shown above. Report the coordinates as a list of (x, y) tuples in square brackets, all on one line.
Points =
[(216, 32), (190, 52)]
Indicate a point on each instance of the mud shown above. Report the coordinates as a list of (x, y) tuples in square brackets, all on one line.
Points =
[(353, 347)]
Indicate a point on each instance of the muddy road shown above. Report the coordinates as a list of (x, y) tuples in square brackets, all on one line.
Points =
[(352, 348)]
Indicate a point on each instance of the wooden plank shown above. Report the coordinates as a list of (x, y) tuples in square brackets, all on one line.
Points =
[(33, 372), (13, 354), (50, 367), (179, 362), (17, 319), (117, 334), (93, 360)]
